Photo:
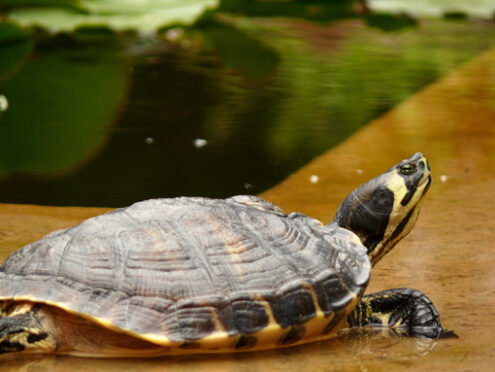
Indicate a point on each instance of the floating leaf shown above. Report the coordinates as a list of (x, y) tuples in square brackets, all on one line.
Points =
[(143, 15), (436, 8)]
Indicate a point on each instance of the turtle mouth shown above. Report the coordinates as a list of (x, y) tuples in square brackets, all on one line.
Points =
[(425, 180), (425, 183)]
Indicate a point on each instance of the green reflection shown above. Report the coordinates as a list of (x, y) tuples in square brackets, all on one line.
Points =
[(455, 15), (324, 90), (15, 47), (266, 94), (314, 10), (391, 22), (59, 109), (241, 52)]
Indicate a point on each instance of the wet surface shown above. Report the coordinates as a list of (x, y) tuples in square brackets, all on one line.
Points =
[(449, 254)]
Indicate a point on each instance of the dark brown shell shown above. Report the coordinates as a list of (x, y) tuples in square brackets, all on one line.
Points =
[(185, 268)]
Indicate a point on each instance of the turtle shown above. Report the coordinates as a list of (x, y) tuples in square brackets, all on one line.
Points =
[(198, 275)]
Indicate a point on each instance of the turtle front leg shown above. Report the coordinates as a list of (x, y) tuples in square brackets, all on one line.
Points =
[(407, 311), (22, 329)]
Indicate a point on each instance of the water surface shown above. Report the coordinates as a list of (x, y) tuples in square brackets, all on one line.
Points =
[(226, 107)]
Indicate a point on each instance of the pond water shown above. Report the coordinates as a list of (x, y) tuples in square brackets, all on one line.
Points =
[(231, 106), (449, 254)]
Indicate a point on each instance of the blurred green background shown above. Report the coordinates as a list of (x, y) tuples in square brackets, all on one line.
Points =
[(103, 103)]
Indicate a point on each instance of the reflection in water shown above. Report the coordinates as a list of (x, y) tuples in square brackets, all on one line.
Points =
[(313, 10), (267, 96), (56, 117), (352, 349), (385, 343)]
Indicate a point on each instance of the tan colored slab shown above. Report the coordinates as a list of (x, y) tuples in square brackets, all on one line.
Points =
[(22, 224), (450, 255)]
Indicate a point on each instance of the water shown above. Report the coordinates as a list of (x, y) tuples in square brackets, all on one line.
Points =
[(449, 254), (98, 119)]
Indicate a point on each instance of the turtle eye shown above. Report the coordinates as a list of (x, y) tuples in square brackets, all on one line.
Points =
[(407, 169)]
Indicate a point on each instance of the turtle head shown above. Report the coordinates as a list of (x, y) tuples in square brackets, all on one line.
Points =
[(384, 210)]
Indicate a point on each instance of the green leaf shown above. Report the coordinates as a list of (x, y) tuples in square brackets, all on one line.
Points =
[(145, 16), (436, 8), (12, 4)]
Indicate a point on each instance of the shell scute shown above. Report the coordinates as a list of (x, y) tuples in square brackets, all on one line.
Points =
[(258, 203), (185, 268), (193, 322), (248, 316), (293, 305)]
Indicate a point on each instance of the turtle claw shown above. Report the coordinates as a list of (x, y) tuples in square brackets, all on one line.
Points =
[(407, 311)]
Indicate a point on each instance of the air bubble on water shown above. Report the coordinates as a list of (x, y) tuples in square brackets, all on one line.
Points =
[(4, 104), (314, 179), (149, 140), (174, 34), (248, 186), (359, 171), (199, 142), (443, 178)]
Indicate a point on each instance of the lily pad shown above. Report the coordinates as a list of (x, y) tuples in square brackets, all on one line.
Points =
[(436, 8), (143, 15)]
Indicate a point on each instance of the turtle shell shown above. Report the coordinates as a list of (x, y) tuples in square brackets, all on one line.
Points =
[(238, 272)]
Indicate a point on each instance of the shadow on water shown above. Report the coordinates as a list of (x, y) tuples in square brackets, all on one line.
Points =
[(232, 105)]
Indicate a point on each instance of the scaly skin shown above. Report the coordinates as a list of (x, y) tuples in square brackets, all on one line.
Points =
[(407, 311)]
